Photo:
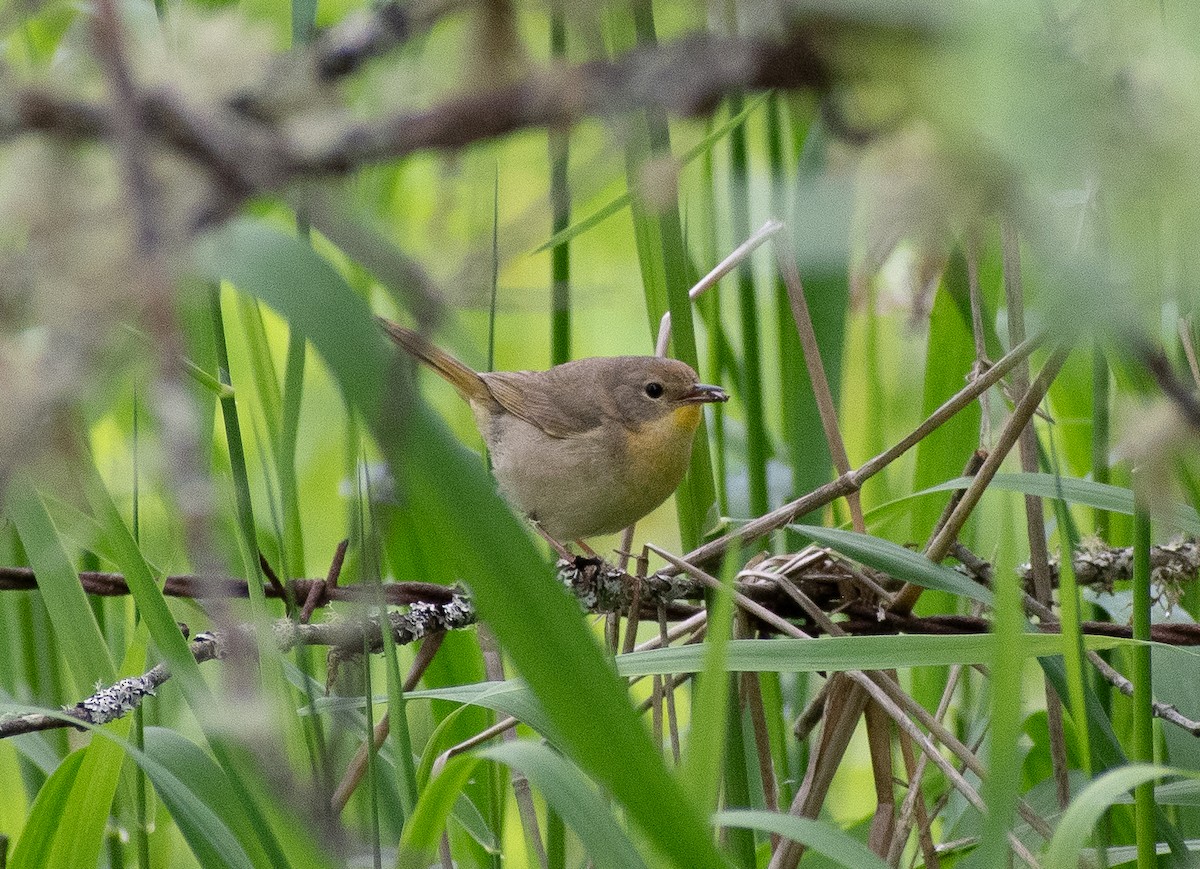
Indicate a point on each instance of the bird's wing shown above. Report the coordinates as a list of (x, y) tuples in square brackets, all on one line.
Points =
[(526, 395)]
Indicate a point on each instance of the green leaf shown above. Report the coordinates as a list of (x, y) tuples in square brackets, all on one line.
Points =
[(1075, 491), (819, 836), (837, 654), (149, 598), (704, 749), (32, 850), (74, 621), (570, 794), (897, 561), (188, 809), (511, 697), (424, 828), (1076, 824), (950, 353), (208, 786), (79, 834)]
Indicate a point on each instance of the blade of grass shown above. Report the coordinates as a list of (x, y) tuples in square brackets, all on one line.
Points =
[(897, 561), (1100, 433), (422, 833), (566, 789), (75, 626), (820, 836), (837, 654), (703, 147), (32, 849), (665, 270), (758, 447), (1085, 810), (560, 207), (703, 750)]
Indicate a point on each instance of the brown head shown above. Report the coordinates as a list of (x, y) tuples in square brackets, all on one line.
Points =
[(642, 389)]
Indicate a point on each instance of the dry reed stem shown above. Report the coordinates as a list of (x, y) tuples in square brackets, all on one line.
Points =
[(1035, 519)]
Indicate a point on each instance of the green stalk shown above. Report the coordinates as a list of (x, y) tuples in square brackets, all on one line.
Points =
[(1002, 786), (372, 754), (1100, 433), (227, 754), (1072, 633), (757, 447), (495, 288), (556, 840), (244, 508), (665, 269), (740, 841), (560, 204), (141, 834), (710, 311), (1142, 749)]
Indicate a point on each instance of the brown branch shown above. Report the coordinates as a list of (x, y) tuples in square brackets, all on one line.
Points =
[(105, 584), (249, 153), (451, 610), (688, 76)]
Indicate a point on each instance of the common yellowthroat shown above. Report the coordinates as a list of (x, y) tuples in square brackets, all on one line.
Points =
[(584, 448)]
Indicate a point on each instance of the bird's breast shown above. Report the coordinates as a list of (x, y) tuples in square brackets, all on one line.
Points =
[(661, 448)]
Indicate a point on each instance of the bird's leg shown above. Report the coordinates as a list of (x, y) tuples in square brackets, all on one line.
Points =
[(554, 544), (587, 550)]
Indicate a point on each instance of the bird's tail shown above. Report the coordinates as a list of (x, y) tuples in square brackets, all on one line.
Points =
[(463, 378)]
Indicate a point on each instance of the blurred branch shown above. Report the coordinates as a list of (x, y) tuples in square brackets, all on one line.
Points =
[(105, 584), (1175, 389), (246, 151), (350, 636)]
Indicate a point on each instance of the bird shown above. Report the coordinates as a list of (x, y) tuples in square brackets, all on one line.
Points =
[(584, 448)]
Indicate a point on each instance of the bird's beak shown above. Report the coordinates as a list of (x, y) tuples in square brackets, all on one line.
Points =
[(702, 394)]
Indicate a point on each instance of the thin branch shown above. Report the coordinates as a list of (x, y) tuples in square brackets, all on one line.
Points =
[(816, 374), (823, 495), (1022, 413)]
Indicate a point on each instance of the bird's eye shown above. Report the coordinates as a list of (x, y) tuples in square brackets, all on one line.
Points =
[(654, 389)]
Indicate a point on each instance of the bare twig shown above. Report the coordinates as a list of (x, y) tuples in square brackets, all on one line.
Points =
[(816, 374), (1035, 519), (360, 762), (823, 495)]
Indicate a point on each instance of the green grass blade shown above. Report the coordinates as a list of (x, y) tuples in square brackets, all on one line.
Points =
[(758, 447), (188, 808), (704, 750), (208, 785), (836, 654), (1142, 749), (570, 794), (1076, 825), (822, 837), (152, 606), (897, 561), (32, 850), (74, 621), (951, 353), (1099, 496), (561, 236), (437, 800)]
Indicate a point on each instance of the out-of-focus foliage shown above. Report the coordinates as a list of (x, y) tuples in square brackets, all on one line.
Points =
[(199, 211)]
